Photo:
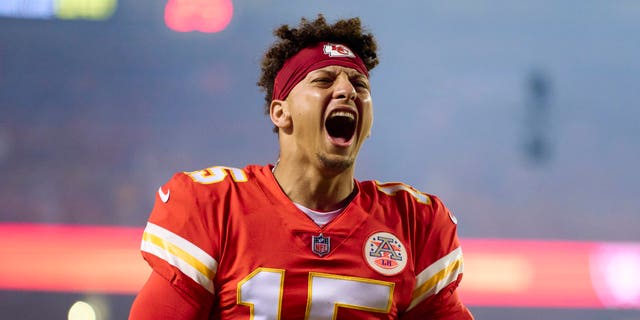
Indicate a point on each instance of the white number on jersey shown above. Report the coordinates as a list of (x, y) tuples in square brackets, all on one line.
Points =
[(217, 174), (391, 188), (262, 291)]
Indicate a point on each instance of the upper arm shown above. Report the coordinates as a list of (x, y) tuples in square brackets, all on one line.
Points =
[(182, 238), (445, 305), (159, 300), (178, 240), (439, 267)]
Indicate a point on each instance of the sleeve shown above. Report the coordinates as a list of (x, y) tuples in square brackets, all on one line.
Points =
[(159, 300), (177, 242), (439, 267)]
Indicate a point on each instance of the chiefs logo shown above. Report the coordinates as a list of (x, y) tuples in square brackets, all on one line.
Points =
[(337, 50), (385, 253)]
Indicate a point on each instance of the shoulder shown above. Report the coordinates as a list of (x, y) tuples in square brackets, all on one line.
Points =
[(219, 175), (201, 195), (398, 192), (406, 199), (214, 179), (183, 237), (431, 232)]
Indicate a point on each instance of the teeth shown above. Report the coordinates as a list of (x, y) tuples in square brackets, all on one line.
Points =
[(345, 114)]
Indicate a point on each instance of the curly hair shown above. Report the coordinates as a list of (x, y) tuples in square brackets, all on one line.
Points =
[(348, 32)]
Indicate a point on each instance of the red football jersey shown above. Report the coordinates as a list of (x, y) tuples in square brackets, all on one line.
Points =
[(233, 236)]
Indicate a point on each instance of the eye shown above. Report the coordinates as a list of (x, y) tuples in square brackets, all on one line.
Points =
[(359, 81), (322, 80), (360, 84)]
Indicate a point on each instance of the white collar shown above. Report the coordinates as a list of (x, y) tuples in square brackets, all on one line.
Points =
[(319, 217)]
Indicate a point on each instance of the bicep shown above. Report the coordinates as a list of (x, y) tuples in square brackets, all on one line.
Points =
[(445, 305), (159, 300)]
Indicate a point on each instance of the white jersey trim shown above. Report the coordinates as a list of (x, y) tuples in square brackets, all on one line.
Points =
[(319, 217), (437, 276), (180, 253)]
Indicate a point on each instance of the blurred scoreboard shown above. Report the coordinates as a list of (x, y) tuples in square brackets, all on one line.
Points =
[(58, 9), (206, 16)]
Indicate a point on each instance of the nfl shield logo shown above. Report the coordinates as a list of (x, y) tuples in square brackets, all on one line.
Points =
[(320, 245)]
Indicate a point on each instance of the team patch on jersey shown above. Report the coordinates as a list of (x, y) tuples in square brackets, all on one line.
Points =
[(320, 245), (385, 253)]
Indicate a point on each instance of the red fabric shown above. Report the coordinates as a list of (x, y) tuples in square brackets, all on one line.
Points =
[(263, 248), (159, 300), (445, 305), (312, 58)]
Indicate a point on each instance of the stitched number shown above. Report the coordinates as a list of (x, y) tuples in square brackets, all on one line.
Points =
[(262, 291), (391, 188), (217, 174), (328, 292)]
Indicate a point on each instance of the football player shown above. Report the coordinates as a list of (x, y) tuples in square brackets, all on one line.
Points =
[(303, 239)]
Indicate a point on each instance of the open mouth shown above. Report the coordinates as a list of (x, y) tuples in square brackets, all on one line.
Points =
[(341, 126)]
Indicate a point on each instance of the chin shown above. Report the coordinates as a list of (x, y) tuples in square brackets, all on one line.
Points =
[(335, 163)]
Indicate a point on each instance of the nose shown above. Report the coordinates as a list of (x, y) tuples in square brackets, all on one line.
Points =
[(344, 89)]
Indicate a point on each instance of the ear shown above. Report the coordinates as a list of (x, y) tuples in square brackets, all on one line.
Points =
[(279, 114)]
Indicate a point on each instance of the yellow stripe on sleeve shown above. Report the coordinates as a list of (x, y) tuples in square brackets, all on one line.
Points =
[(180, 253), (437, 276), (176, 251)]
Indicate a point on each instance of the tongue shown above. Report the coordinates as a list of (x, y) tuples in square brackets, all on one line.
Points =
[(339, 140)]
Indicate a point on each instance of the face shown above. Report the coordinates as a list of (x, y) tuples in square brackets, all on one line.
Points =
[(330, 116)]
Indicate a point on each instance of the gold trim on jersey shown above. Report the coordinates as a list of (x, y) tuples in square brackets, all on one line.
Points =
[(180, 253), (437, 276), (391, 188)]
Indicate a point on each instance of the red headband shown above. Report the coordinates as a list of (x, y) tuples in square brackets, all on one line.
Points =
[(312, 58)]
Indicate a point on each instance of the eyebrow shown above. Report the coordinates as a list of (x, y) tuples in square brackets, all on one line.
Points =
[(352, 74)]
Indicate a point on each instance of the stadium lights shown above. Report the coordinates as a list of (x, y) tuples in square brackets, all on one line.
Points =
[(81, 310), (207, 16)]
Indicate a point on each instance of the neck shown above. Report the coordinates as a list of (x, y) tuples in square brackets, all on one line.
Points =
[(313, 188)]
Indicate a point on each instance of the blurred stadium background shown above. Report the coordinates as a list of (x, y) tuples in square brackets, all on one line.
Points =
[(523, 116)]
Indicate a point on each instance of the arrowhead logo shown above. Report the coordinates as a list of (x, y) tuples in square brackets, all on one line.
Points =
[(164, 196), (337, 50)]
